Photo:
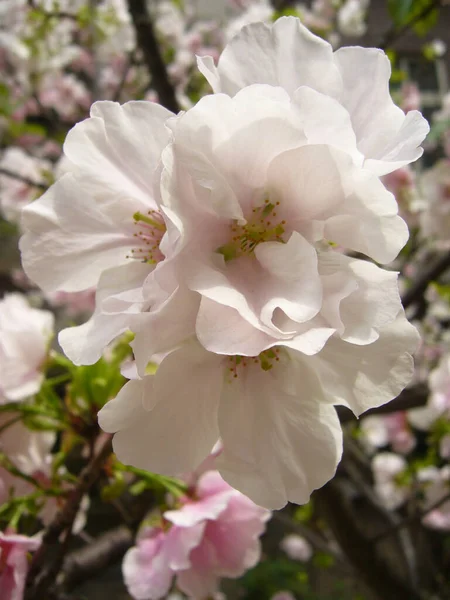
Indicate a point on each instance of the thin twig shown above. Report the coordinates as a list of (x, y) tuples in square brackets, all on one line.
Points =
[(23, 179), (148, 43)]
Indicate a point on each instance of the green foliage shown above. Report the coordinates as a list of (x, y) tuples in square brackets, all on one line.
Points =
[(289, 11), (404, 12)]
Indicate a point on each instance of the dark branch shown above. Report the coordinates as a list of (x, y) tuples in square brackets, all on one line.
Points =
[(43, 570), (23, 179), (395, 33), (413, 397), (149, 46), (106, 550), (433, 272)]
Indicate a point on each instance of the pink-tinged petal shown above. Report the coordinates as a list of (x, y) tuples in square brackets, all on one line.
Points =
[(200, 582), (326, 121), (145, 568), (84, 344), (371, 299), (223, 330), (70, 238), (278, 446), (135, 130), (170, 322), (307, 183), (178, 427), (292, 268), (180, 542), (206, 509), (235, 536), (368, 221), (257, 54), (127, 408), (383, 132), (363, 377)]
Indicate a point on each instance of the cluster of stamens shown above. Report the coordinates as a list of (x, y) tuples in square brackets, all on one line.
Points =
[(263, 226), (151, 228), (265, 360)]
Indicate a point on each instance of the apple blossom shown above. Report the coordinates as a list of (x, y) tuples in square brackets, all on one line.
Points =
[(211, 533), (350, 86), (436, 486), (25, 334)]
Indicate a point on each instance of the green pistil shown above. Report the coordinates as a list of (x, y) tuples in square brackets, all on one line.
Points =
[(260, 229), (138, 216)]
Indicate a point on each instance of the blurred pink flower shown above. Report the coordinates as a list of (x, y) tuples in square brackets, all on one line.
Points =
[(14, 563), (213, 533)]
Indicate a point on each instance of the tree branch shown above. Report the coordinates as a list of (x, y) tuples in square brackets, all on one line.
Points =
[(413, 397), (43, 570), (149, 46), (23, 179), (433, 272), (396, 33)]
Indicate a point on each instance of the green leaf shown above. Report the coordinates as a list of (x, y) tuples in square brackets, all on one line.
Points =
[(399, 10)]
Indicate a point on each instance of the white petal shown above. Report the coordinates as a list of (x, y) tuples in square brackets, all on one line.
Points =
[(84, 344), (257, 54), (178, 429), (120, 145), (279, 443), (73, 233), (382, 131), (364, 377)]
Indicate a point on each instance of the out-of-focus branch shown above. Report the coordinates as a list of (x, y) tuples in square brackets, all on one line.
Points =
[(148, 43), (413, 397), (410, 520), (395, 33), (23, 179), (44, 569), (339, 513), (102, 552), (433, 272)]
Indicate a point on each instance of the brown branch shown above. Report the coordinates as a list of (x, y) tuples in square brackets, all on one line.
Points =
[(428, 275), (148, 43), (339, 514), (395, 33), (102, 552), (410, 520), (23, 179), (413, 397), (43, 571)]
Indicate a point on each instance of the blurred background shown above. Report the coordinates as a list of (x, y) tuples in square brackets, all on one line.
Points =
[(381, 528)]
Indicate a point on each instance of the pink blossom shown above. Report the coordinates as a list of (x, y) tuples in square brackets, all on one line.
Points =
[(410, 96), (14, 563), (283, 595), (212, 533)]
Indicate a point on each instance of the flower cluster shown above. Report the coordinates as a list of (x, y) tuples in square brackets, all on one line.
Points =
[(228, 239), (210, 533)]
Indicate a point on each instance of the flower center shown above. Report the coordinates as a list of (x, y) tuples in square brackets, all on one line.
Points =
[(265, 360), (151, 228), (263, 226)]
